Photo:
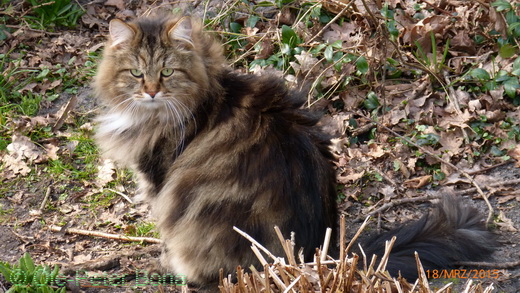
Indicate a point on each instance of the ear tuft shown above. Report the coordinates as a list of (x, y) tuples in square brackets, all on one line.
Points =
[(120, 32), (182, 31)]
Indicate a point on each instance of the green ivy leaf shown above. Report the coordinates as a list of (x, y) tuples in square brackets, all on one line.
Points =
[(317, 49), (516, 67), (235, 27), (371, 102), (387, 13), (495, 151), (510, 87), (362, 65), (290, 37), (397, 165), (328, 54), (480, 74), (438, 175), (252, 20), (507, 51), (502, 5), (392, 28), (337, 44), (336, 58)]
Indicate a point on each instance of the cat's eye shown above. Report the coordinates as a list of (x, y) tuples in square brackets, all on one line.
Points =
[(167, 72), (136, 72)]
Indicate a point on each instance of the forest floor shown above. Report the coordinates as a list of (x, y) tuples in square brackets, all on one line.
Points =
[(421, 99)]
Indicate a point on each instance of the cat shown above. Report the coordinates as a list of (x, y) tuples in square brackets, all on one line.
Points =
[(213, 149)]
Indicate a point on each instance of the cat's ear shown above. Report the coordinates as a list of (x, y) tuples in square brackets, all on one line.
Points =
[(181, 31), (120, 32)]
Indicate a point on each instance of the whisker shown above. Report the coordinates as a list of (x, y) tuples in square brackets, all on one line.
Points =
[(180, 124)]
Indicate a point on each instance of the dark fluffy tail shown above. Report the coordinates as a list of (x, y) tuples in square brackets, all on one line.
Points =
[(452, 232)]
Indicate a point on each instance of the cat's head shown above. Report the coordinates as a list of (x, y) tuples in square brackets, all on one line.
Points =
[(157, 64)]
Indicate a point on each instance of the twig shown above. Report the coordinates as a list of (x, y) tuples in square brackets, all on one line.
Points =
[(108, 262), (256, 243), (342, 236), (496, 184), (33, 30), (363, 129), (45, 198), (287, 246), (496, 265), (262, 260), (326, 243), (423, 281), (25, 239), (292, 284), (372, 16), (71, 104), (121, 194), (386, 177), (490, 167), (384, 260), (55, 228), (452, 97), (37, 6), (396, 202), (361, 228)]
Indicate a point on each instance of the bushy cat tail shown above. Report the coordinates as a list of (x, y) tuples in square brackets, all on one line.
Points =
[(452, 232)]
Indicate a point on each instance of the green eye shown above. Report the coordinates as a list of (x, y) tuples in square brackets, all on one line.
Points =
[(136, 72), (167, 72)]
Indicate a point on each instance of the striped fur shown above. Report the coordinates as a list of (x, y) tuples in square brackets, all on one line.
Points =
[(213, 149)]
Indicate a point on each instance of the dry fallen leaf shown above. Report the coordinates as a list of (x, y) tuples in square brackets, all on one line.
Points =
[(376, 151), (22, 148), (106, 172), (515, 154), (306, 62), (120, 4), (451, 141), (418, 182), (52, 151), (15, 165), (344, 179), (505, 223)]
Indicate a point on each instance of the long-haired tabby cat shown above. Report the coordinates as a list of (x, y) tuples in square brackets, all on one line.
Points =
[(213, 149)]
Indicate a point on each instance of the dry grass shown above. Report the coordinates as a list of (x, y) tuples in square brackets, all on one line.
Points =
[(349, 273)]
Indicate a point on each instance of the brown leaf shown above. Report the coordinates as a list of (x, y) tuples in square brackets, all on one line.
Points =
[(462, 43), (515, 154), (306, 62), (105, 173), (63, 113), (396, 116), (52, 151), (344, 179), (15, 165), (499, 22), (388, 191), (505, 223), (456, 120), (22, 148), (120, 4), (375, 151), (451, 141), (266, 50), (418, 182)]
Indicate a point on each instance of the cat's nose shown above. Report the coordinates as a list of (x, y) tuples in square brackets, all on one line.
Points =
[(152, 94)]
